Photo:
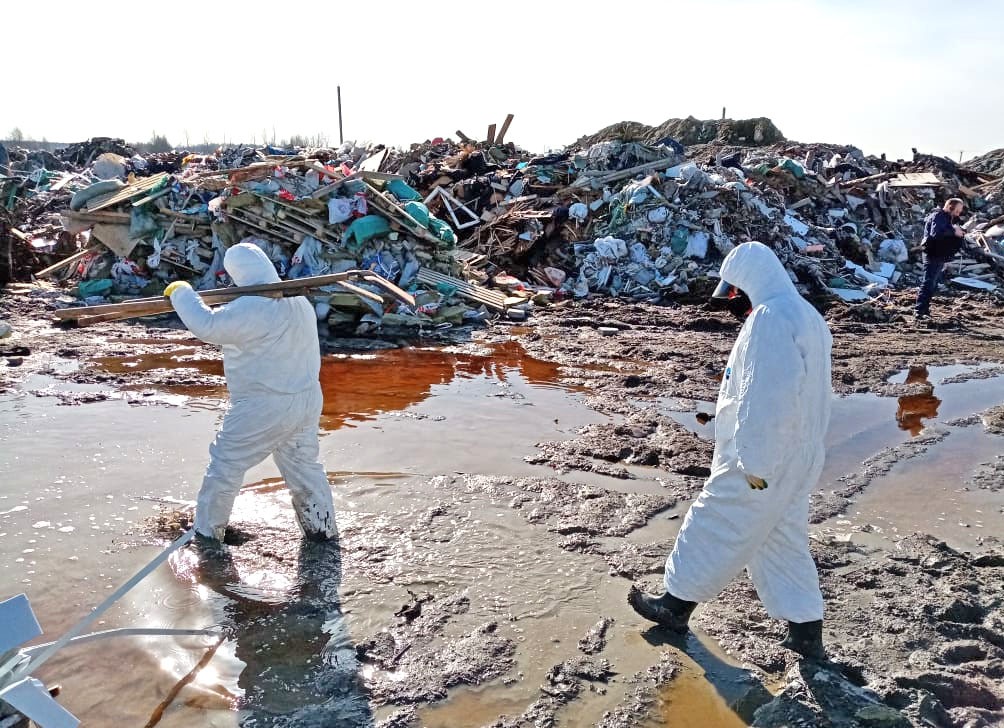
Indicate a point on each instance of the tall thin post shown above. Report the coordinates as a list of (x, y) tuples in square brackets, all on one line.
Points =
[(723, 113), (341, 136)]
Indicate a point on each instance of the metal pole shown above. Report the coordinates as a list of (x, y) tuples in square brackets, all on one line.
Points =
[(44, 655), (341, 137)]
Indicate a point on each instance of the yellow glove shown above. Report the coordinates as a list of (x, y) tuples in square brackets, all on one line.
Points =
[(172, 287), (756, 483)]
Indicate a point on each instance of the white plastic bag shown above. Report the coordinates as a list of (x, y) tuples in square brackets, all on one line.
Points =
[(578, 212), (611, 247)]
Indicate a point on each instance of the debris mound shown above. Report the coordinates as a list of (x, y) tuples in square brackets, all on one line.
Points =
[(690, 132), (479, 228)]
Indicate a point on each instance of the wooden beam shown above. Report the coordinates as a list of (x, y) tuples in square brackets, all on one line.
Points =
[(491, 134), (598, 179), (216, 296), (504, 129), (119, 217)]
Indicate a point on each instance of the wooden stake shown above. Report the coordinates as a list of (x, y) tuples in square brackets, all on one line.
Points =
[(504, 129), (158, 712), (67, 261)]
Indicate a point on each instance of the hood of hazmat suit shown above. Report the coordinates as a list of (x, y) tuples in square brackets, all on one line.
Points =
[(776, 389), (272, 361), (771, 419)]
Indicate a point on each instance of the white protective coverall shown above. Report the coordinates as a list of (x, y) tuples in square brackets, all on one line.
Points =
[(772, 414), (272, 360)]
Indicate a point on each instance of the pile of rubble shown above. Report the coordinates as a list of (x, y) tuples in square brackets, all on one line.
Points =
[(989, 163), (482, 228)]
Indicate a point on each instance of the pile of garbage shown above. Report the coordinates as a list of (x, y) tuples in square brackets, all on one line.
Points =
[(120, 229), (990, 163), (483, 228)]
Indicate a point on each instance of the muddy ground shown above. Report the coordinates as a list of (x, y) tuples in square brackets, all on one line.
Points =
[(915, 629)]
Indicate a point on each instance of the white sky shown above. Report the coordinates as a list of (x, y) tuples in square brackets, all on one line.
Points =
[(885, 75)]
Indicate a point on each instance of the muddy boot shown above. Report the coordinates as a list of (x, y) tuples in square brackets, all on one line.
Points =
[(805, 638), (209, 546), (666, 610)]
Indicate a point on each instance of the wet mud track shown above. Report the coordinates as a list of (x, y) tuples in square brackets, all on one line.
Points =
[(489, 591)]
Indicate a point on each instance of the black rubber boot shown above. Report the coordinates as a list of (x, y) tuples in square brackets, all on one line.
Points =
[(666, 610), (805, 638), (209, 546)]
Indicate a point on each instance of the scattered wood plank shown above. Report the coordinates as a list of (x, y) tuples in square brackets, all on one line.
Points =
[(257, 166), (127, 193), (67, 261), (64, 181), (113, 217), (492, 299), (151, 197), (268, 231), (505, 127), (602, 178), (916, 179), (155, 305), (871, 178), (374, 161), (391, 209)]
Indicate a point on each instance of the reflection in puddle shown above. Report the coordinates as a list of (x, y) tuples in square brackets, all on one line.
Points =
[(179, 359), (278, 599), (913, 409), (360, 387)]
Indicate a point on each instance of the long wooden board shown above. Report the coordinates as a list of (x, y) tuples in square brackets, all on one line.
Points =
[(136, 189), (152, 305), (493, 299)]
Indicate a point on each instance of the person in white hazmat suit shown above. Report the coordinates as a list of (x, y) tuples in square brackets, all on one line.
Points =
[(772, 414), (272, 361)]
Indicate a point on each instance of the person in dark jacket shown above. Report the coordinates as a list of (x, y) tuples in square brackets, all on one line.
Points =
[(942, 241)]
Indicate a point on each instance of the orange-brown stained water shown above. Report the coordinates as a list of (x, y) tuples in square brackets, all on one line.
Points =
[(358, 388), (184, 358), (690, 702)]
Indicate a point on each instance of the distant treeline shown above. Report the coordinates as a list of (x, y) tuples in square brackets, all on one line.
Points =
[(160, 143)]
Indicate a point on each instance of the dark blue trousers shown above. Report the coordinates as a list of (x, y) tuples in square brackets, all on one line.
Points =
[(934, 266)]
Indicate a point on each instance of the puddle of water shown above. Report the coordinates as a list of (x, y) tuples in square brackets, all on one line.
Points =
[(863, 424), (81, 468), (361, 387), (389, 418), (413, 411), (183, 358), (926, 493), (689, 702)]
